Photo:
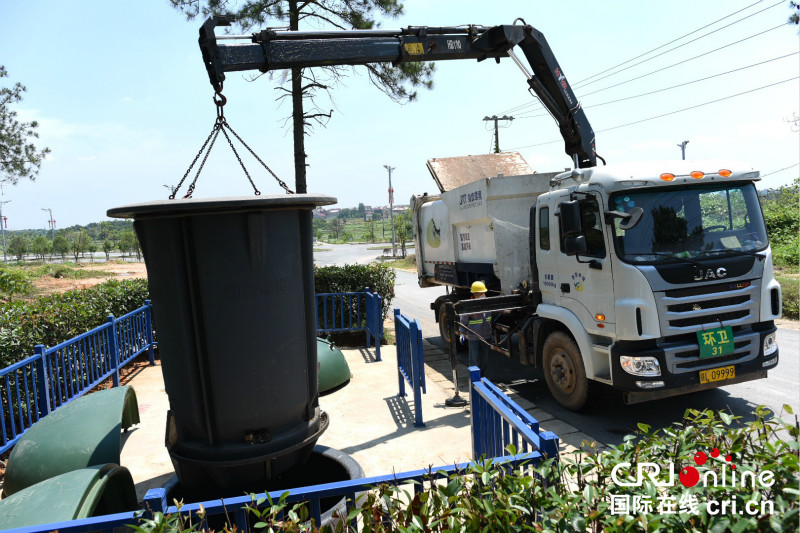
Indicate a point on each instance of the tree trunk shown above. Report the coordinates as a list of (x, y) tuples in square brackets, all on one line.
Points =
[(297, 112)]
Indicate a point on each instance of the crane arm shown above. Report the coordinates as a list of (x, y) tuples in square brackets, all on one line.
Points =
[(275, 50)]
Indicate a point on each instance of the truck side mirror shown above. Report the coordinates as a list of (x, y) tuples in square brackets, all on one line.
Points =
[(570, 213), (575, 245)]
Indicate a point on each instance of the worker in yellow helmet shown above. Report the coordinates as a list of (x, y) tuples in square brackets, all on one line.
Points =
[(480, 325)]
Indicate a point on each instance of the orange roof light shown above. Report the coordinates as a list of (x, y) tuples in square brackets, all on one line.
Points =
[(725, 173), (667, 176), (696, 174), (599, 317)]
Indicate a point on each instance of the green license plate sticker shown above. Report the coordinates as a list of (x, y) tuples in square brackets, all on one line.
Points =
[(715, 342)]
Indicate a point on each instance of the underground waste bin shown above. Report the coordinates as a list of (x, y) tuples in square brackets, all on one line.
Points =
[(232, 288)]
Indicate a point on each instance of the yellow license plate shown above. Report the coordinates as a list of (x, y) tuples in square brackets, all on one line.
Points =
[(717, 374)]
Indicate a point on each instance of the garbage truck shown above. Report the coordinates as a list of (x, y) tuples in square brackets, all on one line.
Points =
[(653, 278)]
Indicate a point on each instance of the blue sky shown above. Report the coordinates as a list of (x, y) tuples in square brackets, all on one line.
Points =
[(124, 103)]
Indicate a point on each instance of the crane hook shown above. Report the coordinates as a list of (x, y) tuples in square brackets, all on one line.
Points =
[(219, 101)]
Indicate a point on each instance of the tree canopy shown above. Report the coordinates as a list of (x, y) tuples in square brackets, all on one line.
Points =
[(397, 82), (19, 156)]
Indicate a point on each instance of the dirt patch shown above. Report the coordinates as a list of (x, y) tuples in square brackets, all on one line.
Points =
[(105, 271)]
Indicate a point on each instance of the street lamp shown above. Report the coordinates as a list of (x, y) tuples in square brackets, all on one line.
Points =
[(682, 146), (3, 225), (52, 222), (391, 207)]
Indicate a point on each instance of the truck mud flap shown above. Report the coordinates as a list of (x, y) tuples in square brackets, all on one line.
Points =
[(646, 396)]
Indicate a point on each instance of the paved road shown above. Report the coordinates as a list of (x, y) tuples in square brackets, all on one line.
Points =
[(607, 419), (341, 254)]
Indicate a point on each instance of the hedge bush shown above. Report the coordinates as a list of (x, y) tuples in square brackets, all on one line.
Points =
[(355, 278), (575, 494), (56, 318)]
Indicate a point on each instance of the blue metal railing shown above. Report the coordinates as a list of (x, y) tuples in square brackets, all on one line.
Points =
[(497, 422), (339, 312), (374, 321), (410, 361), (235, 508), (52, 377)]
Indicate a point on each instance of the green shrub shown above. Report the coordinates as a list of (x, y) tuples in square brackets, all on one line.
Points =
[(783, 224), (791, 298), (575, 494), (14, 281), (355, 278), (59, 317)]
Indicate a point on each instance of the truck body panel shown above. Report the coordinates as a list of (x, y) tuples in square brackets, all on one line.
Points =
[(475, 230)]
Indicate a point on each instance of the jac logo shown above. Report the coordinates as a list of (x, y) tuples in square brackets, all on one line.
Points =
[(703, 274)]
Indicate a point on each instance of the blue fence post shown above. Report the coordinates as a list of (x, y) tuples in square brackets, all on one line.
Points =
[(148, 314), (368, 315), (476, 414), (114, 349), (397, 333), (377, 318), (549, 444), (148, 319), (155, 501), (42, 382), (417, 370)]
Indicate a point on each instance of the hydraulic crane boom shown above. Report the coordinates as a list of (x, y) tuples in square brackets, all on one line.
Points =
[(273, 50)]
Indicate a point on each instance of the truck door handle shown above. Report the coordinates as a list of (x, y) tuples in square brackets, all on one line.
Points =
[(565, 287)]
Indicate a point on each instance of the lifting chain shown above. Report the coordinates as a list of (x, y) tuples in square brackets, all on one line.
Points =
[(220, 125)]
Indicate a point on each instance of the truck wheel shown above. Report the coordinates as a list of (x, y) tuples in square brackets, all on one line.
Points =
[(564, 372)]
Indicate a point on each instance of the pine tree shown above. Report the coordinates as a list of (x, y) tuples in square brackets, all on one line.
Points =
[(398, 82)]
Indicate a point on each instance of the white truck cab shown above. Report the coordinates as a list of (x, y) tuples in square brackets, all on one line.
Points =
[(654, 278)]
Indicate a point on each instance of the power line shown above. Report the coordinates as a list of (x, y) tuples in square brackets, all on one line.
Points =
[(682, 62), (585, 82), (667, 114), (673, 86), (519, 107), (674, 40), (780, 170), (699, 105)]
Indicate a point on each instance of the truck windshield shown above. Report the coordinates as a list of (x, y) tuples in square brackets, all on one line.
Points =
[(690, 222)]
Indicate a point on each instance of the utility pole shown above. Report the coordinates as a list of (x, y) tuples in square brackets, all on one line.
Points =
[(3, 229), (51, 221), (495, 118), (682, 146), (391, 207)]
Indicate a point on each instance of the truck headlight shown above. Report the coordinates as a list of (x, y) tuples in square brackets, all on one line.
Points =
[(640, 366), (770, 345)]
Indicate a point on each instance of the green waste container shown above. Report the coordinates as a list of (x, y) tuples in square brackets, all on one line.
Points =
[(232, 288), (93, 491)]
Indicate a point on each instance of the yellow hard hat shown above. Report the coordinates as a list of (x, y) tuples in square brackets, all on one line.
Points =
[(478, 286)]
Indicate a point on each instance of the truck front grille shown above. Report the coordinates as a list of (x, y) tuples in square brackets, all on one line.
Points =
[(685, 311), (701, 307)]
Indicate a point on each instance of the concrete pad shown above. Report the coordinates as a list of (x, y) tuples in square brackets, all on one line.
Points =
[(540, 414), (143, 449), (367, 420), (578, 440), (370, 422), (559, 427)]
